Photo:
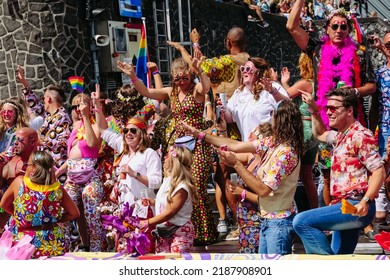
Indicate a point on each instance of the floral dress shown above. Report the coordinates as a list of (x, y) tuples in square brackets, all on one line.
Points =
[(191, 112), (34, 207)]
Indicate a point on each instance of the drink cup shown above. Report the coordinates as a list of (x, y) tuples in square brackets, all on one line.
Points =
[(234, 178), (340, 84), (223, 99)]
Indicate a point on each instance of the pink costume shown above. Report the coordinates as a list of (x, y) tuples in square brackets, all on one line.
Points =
[(83, 185)]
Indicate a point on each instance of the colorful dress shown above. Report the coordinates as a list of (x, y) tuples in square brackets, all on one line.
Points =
[(37, 209), (191, 112), (248, 218)]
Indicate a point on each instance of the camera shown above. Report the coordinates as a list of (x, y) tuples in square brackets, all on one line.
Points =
[(371, 40)]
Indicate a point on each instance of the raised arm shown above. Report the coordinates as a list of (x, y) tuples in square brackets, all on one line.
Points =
[(300, 36), (158, 94)]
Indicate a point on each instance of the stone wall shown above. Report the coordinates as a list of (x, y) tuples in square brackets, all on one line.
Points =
[(47, 38)]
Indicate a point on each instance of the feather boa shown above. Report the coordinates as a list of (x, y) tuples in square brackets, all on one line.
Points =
[(347, 70)]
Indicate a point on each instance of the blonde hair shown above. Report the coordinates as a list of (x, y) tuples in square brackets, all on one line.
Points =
[(43, 163), (306, 67), (143, 144), (180, 171), (179, 64), (21, 118)]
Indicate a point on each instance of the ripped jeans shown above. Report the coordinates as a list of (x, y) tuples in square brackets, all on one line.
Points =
[(83, 186)]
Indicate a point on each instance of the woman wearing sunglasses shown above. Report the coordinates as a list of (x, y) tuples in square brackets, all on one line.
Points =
[(83, 183), (138, 165), (251, 104), (12, 118), (187, 103)]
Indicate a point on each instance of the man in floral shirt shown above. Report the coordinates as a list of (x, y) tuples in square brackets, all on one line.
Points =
[(354, 157)]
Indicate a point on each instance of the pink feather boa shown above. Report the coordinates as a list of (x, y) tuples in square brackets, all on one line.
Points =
[(327, 71)]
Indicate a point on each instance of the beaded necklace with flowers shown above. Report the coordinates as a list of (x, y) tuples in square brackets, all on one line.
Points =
[(80, 135)]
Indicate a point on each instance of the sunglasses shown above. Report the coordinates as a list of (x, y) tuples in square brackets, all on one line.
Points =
[(387, 45), (336, 26), (7, 112), (332, 109), (132, 130), (247, 69), (177, 80), (75, 107)]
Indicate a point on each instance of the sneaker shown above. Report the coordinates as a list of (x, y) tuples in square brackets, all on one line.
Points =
[(233, 235), (253, 19), (263, 24), (370, 236), (222, 226)]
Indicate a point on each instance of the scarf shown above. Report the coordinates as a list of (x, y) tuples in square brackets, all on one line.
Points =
[(336, 64)]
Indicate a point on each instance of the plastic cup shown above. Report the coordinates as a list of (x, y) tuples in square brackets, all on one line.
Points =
[(223, 99)]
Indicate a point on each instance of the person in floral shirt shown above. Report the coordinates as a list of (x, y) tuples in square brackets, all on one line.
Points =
[(276, 179), (357, 173)]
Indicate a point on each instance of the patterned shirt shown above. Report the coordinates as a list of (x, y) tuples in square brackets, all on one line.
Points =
[(383, 85), (282, 165), (355, 154), (54, 132)]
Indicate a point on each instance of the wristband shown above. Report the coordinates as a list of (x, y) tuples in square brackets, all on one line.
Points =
[(155, 72), (196, 45), (243, 195), (134, 80), (357, 92), (201, 136)]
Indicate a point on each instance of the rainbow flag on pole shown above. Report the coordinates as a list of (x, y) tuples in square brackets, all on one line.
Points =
[(142, 60), (77, 83)]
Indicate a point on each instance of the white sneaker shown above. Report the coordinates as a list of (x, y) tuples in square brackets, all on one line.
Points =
[(222, 226), (233, 235)]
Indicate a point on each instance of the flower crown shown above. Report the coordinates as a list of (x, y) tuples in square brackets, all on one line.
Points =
[(342, 12), (10, 104), (185, 72), (127, 99)]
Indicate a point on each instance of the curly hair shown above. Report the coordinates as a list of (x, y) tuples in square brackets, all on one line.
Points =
[(21, 119), (288, 126), (180, 171), (127, 103), (306, 67), (263, 70)]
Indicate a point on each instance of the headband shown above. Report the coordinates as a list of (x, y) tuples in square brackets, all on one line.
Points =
[(137, 122), (10, 104)]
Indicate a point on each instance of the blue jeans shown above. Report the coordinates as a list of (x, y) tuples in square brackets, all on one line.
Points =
[(309, 225), (382, 142), (276, 236)]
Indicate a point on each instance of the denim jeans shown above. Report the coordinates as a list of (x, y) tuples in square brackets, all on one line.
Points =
[(382, 142), (276, 236), (309, 225)]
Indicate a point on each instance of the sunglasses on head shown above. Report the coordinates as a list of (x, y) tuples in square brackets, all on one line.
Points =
[(132, 130), (184, 79), (332, 109), (336, 26), (75, 107), (247, 69)]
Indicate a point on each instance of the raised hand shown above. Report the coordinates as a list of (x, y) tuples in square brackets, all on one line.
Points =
[(285, 75), (194, 36), (126, 68), (95, 96), (152, 66), (20, 77)]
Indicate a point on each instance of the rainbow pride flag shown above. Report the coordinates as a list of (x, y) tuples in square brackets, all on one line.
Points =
[(77, 83), (358, 34), (141, 68)]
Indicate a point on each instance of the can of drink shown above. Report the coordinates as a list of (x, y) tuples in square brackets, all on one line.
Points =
[(223, 99), (340, 84)]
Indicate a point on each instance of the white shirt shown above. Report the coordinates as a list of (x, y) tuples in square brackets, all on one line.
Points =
[(184, 214), (247, 112)]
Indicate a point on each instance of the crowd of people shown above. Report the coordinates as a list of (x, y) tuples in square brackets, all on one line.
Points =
[(67, 170)]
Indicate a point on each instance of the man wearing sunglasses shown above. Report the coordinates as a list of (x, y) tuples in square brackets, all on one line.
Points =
[(26, 142), (335, 58), (357, 173)]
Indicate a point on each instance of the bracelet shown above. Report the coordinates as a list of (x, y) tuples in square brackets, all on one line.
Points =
[(243, 195), (155, 72), (134, 80), (274, 91), (357, 92), (201, 136), (196, 45)]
